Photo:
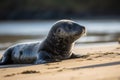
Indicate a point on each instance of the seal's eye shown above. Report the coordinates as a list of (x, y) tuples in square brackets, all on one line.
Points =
[(58, 30)]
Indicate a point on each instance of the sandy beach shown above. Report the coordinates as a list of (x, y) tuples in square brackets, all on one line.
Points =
[(101, 63)]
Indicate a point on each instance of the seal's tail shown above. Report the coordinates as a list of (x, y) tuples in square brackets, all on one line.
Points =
[(6, 58)]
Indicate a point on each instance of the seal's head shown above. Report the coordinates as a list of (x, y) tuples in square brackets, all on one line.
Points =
[(67, 30)]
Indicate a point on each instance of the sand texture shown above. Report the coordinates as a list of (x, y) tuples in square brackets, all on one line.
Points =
[(101, 63)]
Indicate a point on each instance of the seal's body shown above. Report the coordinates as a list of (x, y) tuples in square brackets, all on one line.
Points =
[(57, 46)]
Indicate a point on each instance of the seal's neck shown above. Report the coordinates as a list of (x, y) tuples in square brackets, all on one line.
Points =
[(59, 46)]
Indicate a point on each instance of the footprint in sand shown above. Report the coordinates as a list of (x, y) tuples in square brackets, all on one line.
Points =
[(24, 72), (29, 72), (52, 67)]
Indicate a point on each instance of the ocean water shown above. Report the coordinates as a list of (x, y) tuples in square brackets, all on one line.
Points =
[(99, 30), (42, 27)]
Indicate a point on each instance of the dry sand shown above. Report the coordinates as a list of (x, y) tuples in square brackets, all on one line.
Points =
[(102, 63)]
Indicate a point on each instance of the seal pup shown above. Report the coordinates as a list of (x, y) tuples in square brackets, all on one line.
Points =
[(57, 46)]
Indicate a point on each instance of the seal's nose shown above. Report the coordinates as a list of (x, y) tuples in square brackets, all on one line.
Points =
[(83, 29)]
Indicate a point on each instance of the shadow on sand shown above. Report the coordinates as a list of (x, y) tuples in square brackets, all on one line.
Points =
[(74, 68), (14, 65), (97, 65)]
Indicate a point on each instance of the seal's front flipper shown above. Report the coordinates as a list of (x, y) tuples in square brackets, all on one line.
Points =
[(78, 56), (75, 55)]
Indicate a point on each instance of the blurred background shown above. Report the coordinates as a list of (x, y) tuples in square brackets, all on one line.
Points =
[(30, 20)]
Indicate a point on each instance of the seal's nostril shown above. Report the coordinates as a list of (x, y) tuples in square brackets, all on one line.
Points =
[(83, 28)]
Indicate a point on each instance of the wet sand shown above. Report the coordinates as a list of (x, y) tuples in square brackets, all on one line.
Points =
[(101, 63)]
